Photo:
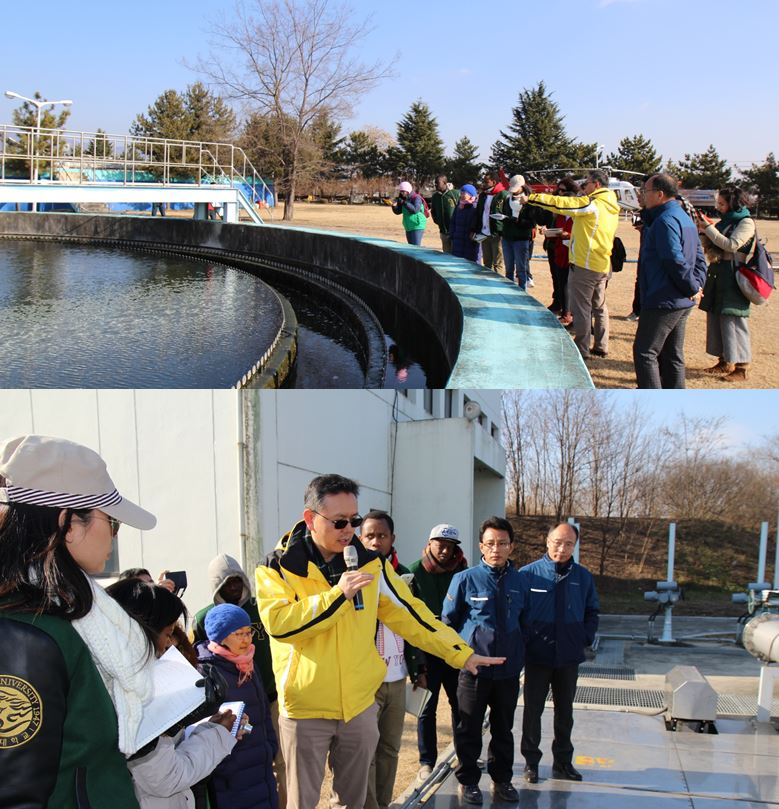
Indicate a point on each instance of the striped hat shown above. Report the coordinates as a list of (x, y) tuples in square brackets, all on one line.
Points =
[(44, 471)]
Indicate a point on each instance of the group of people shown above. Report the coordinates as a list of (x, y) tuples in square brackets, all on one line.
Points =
[(685, 259), (318, 660)]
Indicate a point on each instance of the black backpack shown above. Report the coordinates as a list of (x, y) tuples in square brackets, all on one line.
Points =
[(618, 255)]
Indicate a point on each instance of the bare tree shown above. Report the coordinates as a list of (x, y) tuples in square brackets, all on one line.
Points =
[(293, 63)]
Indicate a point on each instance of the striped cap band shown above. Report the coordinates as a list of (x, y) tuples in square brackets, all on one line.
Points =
[(36, 497)]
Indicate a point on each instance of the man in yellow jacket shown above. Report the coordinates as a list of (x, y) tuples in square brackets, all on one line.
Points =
[(322, 640), (595, 218)]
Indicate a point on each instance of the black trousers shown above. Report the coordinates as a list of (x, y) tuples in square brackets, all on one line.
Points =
[(474, 695), (439, 675), (538, 679)]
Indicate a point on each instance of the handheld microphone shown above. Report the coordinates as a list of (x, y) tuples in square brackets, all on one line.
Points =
[(350, 559)]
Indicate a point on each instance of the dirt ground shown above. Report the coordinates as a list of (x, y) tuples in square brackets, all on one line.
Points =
[(616, 370)]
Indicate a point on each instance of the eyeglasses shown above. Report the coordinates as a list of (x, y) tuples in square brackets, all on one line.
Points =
[(243, 633), (112, 521), (340, 524), (492, 545)]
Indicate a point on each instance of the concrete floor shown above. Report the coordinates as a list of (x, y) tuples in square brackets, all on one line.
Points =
[(629, 759)]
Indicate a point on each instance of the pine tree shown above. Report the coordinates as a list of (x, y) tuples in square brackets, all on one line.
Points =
[(464, 166), (325, 134), (210, 119), (420, 144), (765, 178), (99, 146), (704, 170), (536, 137), (636, 154), (363, 155)]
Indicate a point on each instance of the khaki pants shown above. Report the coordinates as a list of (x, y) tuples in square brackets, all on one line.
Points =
[(307, 743), (391, 702), (491, 254), (446, 243), (587, 294), (279, 770)]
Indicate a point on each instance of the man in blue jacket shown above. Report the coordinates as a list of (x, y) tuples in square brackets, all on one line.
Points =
[(560, 622), (483, 605), (673, 271)]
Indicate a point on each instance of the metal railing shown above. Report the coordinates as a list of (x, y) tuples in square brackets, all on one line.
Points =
[(65, 157)]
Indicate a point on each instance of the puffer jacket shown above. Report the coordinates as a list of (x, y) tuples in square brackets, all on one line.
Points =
[(461, 225), (244, 780), (726, 251), (58, 728), (562, 615), (595, 219), (220, 569), (484, 606), (324, 654), (163, 777)]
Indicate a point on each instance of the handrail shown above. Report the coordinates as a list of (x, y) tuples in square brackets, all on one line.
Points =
[(59, 156)]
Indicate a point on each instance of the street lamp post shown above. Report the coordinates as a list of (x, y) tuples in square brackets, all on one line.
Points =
[(39, 104)]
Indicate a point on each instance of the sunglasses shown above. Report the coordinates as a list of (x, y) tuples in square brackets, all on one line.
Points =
[(112, 521), (340, 524)]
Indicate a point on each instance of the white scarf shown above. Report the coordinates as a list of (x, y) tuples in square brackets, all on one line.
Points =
[(120, 651)]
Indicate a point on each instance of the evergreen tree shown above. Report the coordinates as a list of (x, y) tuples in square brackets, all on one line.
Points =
[(421, 145), (463, 166), (325, 134), (363, 155), (99, 146), (210, 119), (636, 154), (704, 170), (536, 137), (765, 178)]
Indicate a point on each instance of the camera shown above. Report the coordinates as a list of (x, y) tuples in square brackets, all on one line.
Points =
[(636, 219)]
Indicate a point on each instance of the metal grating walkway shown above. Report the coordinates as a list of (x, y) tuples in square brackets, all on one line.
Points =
[(740, 705), (593, 671), (616, 697)]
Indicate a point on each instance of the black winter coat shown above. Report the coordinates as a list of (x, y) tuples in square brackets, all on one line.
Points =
[(244, 780)]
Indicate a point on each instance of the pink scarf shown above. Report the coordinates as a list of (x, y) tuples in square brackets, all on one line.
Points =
[(244, 663)]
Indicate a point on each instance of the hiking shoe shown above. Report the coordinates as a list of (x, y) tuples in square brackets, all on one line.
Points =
[(599, 352), (632, 317), (505, 792), (531, 282), (738, 374), (721, 367), (425, 771), (530, 774), (471, 793)]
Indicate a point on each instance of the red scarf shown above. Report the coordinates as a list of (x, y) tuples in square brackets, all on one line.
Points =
[(455, 563), (244, 663)]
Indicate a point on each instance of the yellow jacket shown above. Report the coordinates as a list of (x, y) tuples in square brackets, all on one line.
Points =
[(595, 220), (324, 655)]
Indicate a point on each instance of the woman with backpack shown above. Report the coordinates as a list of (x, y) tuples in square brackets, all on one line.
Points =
[(414, 210), (727, 244)]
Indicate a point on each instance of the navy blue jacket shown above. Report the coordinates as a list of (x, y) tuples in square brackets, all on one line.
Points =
[(461, 226), (673, 267), (244, 780), (562, 617), (483, 605)]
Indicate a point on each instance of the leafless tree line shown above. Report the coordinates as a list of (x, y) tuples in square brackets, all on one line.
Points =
[(577, 453)]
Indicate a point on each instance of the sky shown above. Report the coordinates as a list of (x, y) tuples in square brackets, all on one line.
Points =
[(685, 73)]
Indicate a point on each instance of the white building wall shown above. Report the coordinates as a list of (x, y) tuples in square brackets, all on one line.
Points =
[(225, 471)]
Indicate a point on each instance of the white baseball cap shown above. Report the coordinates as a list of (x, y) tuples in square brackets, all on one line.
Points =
[(44, 471), (445, 531)]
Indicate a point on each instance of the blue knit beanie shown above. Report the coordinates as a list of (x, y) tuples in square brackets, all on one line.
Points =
[(224, 619), (469, 189)]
